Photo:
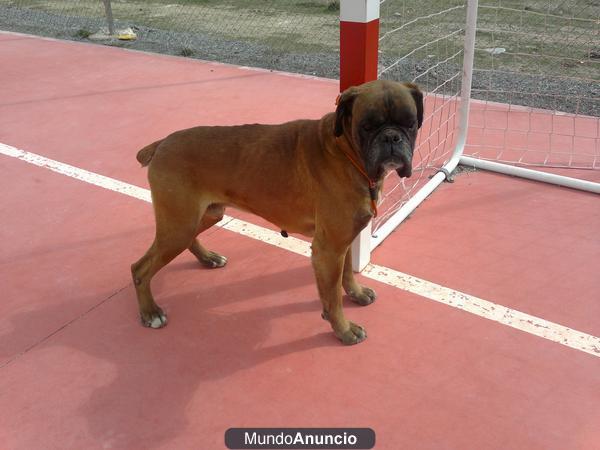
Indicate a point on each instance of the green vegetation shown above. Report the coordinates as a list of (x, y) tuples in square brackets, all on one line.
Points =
[(82, 33), (186, 51)]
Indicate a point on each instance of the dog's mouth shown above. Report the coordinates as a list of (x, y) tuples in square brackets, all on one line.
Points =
[(401, 162), (405, 171), (393, 165)]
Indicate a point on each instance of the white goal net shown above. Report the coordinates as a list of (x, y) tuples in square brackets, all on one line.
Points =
[(509, 84), (423, 42), (536, 84)]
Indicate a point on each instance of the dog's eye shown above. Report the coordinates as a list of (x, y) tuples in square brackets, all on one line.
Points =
[(367, 126)]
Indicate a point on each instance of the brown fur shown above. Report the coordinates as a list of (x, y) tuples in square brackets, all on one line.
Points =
[(293, 175)]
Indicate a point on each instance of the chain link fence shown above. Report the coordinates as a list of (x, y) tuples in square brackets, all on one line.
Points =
[(288, 35)]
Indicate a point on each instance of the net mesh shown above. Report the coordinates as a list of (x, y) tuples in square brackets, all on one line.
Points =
[(535, 83), (423, 42), (537, 78)]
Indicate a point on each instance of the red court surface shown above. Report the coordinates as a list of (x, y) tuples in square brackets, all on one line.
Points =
[(245, 345)]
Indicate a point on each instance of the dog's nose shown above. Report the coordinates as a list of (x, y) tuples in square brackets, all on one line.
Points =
[(391, 137)]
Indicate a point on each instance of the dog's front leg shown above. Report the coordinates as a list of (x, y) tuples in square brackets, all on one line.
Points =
[(359, 294), (328, 264)]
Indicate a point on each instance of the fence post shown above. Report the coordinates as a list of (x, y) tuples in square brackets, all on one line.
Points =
[(109, 17), (359, 42)]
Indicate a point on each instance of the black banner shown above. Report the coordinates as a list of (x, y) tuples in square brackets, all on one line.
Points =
[(300, 438)]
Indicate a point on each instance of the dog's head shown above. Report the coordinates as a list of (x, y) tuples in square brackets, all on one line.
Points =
[(381, 118)]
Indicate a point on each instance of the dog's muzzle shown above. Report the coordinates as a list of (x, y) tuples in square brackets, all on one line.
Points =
[(400, 150), (405, 171)]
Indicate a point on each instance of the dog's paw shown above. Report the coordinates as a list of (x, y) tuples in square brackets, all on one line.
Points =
[(154, 319), (364, 297), (212, 260), (353, 335)]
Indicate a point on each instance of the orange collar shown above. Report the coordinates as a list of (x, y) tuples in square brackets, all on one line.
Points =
[(363, 172)]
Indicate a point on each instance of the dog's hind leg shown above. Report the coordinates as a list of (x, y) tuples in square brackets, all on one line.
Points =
[(214, 213), (177, 219)]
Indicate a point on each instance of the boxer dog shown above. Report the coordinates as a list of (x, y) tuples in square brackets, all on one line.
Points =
[(320, 178)]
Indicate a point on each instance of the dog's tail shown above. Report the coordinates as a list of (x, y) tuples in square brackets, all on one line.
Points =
[(145, 155)]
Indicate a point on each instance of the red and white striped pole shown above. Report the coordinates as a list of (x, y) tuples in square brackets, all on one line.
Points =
[(359, 43), (359, 38)]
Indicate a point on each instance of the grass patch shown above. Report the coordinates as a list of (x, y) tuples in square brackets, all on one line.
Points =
[(82, 33), (264, 6), (186, 51)]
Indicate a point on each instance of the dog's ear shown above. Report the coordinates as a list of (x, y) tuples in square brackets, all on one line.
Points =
[(418, 97), (344, 108)]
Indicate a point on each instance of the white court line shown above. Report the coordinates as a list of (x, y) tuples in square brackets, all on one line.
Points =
[(506, 316)]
